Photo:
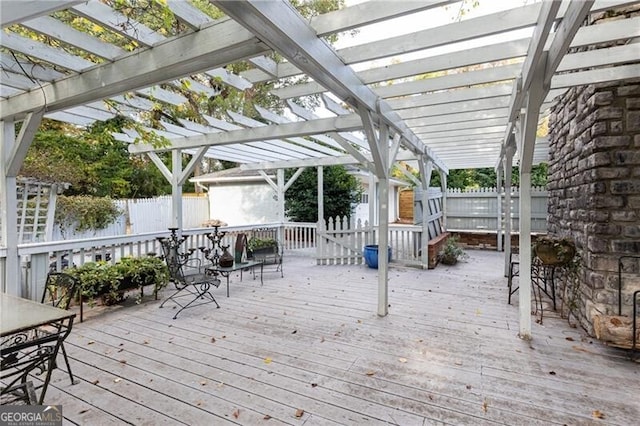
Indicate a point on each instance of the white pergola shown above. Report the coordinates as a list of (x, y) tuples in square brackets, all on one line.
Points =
[(480, 108)]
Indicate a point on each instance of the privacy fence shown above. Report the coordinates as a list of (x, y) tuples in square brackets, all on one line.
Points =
[(145, 215), (477, 209)]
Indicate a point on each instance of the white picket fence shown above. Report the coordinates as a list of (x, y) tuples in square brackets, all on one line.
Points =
[(145, 215), (342, 242)]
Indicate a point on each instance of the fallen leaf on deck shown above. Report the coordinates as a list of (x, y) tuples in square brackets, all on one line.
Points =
[(213, 340), (83, 411), (267, 360), (553, 373), (224, 337), (117, 380), (203, 383), (468, 386), (221, 384), (402, 360), (359, 321), (485, 405), (313, 385), (267, 417), (90, 342), (120, 350), (95, 382), (236, 413), (598, 414), (569, 339), (370, 373), (198, 403), (122, 361), (146, 342), (478, 312), (299, 412), (458, 363)]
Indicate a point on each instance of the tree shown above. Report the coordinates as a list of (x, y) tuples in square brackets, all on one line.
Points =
[(486, 177), (341, 192), (93, 162)]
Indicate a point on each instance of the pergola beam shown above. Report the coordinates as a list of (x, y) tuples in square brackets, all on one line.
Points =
[(281, 26), (345, 123), (218, 44)]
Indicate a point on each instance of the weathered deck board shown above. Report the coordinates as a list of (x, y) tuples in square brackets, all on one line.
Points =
[(448, 353)]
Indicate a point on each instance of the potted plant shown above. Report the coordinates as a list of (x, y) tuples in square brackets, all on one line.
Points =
[(109, 281), (554, 251), (452, 252), (261, 246)]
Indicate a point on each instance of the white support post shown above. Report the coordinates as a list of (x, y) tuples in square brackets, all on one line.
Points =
[(321, 219), (534, 99), (322, 225), (426, 169), (176, 189), (499, 214), (280, 195), (443, 187), (11, 281), (508, 167), (383, 243), (373, 203)]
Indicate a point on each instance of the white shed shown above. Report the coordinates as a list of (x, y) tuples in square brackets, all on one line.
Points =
[(240, 197)]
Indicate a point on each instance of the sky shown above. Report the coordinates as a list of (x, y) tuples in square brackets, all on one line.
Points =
[(428, 19)]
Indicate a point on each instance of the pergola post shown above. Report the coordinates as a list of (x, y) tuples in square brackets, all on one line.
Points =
[(11, 279), (176, 189), (426, 169), (508, 168), (443, 187), (499, 209)]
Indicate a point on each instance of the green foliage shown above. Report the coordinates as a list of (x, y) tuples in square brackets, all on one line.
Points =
[(82, 213), (452, 252), (256, 243), (93, 162), (486, 177), (109, 281), (342, 192)]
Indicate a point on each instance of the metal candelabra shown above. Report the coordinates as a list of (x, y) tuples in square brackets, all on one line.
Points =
[(212, 253), (171, 246)]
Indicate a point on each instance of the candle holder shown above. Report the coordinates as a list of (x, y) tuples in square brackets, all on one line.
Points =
[(218, 254)]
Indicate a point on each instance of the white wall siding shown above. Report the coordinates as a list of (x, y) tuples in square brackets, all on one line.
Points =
[(246, 204)]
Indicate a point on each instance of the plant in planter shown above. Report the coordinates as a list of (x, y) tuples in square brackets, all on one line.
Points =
[(259, 246), (102, 279), (452, 252), (554, 251)]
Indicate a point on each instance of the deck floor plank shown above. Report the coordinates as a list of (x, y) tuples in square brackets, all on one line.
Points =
[(448, 353)]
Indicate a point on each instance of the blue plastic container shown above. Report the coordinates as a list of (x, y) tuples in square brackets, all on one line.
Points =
[(370, 254)]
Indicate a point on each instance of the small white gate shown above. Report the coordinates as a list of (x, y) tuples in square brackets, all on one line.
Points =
[(341, 243)]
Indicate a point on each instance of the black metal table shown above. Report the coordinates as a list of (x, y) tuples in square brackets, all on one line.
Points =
[(31, 334), (226, 271)]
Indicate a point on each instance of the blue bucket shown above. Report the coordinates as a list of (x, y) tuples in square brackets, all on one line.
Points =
[(370, 254)]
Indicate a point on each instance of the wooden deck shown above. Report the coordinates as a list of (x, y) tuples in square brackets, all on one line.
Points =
[(309, 349)]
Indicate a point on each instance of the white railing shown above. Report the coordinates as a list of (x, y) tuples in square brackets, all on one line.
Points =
[(342, 242), (37, 259), (344, 246)]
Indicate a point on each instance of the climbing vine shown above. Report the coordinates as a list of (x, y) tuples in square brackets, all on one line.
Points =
[(82, 213)]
